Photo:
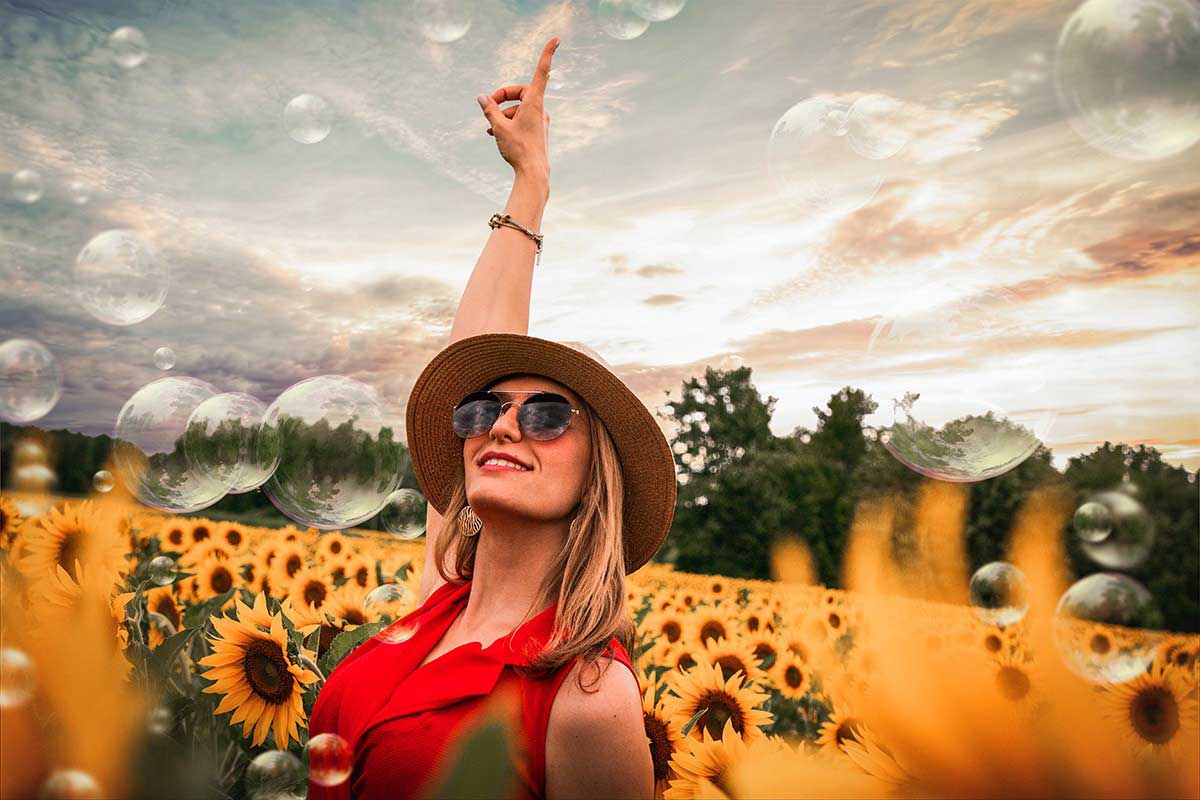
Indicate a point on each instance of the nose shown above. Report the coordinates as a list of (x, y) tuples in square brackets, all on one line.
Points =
[(505, 426)]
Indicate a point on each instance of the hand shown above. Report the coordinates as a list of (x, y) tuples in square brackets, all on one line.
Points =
[(522, 131)]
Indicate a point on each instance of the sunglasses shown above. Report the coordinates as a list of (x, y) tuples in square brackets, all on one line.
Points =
[(542, 417)]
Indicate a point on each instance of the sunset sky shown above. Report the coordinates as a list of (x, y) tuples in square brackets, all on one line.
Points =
[(667, 244)]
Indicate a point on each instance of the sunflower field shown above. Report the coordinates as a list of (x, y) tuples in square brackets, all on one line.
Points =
[(148, 655)]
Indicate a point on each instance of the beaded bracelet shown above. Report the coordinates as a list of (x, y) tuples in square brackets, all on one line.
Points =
[(504, 219)]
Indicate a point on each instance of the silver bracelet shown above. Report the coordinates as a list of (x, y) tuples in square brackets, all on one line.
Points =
[(504, 219)]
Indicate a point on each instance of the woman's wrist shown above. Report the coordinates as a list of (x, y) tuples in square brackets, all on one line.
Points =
[(533, 180)]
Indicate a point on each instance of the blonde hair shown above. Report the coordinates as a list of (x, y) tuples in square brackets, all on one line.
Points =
[(586, 578)]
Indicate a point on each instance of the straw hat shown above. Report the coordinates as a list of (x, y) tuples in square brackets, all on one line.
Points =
[(472, 364)]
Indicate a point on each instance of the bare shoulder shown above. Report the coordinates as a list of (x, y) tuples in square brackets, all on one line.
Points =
[(596, 737)]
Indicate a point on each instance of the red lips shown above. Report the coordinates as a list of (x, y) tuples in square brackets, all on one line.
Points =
[(505, 456)]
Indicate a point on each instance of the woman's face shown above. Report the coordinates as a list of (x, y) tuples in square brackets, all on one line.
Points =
[(557, 469)]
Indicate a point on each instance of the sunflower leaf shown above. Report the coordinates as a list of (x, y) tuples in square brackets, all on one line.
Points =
[(768, 661), (198, 614), (163, 657), (687, 726), (314, 640), (345, 642)]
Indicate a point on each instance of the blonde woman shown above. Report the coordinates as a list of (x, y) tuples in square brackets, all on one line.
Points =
[(548, 481)]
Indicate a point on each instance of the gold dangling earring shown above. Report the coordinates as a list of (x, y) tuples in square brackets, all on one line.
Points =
[(468, 523)]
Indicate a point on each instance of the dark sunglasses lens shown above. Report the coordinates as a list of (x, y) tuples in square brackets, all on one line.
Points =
[(545, 417), (475, 417)]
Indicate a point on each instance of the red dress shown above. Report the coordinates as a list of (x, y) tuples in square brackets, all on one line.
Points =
[(398, 717)]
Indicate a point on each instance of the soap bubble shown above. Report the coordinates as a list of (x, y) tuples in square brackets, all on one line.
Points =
[(657, 10), (998, 593), (274, 773), (30, 381), (404, 513), (1126, 76), (223, 442), (309, 118), (148, 446), (812, 163), (120, 278), (391, 602), (164, 358), (17, 678), (618, 19), (876, 126), (946, 426), (1131, 532), (160, 720), (128, 46), (1107, 628), (102, 481), (78, 191), (70, 784), (338, 458), (161, 570), (443, 21), (1092, 522), (27, 186), (330, 759)]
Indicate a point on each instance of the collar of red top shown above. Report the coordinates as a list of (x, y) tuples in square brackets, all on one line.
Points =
[(511, 649)]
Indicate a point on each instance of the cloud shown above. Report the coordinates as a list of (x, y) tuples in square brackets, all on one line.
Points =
[(663, 299), (657, 271)]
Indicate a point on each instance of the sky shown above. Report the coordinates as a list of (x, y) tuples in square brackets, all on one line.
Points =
[(1008, 259)]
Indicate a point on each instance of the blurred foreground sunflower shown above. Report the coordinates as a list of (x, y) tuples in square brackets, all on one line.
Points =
[(85, 532), (703, 766)]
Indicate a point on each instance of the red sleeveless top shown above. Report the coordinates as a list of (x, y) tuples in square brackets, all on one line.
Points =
[(398, 717)]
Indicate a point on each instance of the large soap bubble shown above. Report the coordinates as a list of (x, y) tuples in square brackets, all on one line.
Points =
[(1130, 535), (222, 441), (149, 446), (309, 118), (443, 21), (813, 163), (657, 10), (964, 408), (30, 381), (120, 278), (338, 459), (618, 19), (1126, 72), (1107, 628)]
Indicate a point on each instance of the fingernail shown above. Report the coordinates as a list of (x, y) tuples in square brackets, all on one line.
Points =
[(482, 100)]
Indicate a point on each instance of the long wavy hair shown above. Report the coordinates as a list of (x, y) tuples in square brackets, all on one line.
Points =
[(586, 578)]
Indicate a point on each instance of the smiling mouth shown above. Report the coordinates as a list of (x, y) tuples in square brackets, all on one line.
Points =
[(500, 468)]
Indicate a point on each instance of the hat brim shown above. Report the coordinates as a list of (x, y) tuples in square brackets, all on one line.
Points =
[(470, 364)]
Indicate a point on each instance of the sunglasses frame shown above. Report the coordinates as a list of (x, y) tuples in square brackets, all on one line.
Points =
[(504, 410)]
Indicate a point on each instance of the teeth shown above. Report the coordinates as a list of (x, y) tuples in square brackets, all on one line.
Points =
[(502, 462)]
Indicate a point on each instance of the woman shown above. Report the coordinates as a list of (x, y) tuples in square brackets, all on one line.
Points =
[(548, 481)]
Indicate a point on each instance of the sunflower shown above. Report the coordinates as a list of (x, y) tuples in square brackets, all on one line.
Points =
[(1014, 677), (703, 765), (664, 624), (214, 576), (708, 623), (289, 559), (172, 535), (705, 688), (874, 758), (347, 606), (205, 551), (332, 546), (161, 600), (85, 532), (764, 644), (10, 522), (308, 588), (199, 530), (64, 596), (717, 587), (361, 570), (754, 619), (232, 534), (735, 656), (662, 731), (795, 643), (839, 729), (250, 667), (683, 656), (791, 675), (1155, 714)]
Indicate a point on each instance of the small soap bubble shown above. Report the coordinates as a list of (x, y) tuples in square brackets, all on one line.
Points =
[(161, 570), (658, 10), (70, 784), (30, 381), (390, 602), (1092, 522), (404, 514), (78, 191), (309, 118), (443, 21), (120, 278), (102, 481), (1107, 628), (128, 46), (330, 759), (1131, 532), (998, 593), (17, 678), (164, 358), (276, 772), (27, 185), (160, 721), (618, 19)]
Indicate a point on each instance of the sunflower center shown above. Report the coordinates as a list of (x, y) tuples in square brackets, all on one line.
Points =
[(793, 677), (660, 745), (752, 623), (711, 630), (730, 664), (360, 577), (314, 593), (294, 563), (992, 643), (326, 638), (199, 533), (233, 536), (335, 547), (221, 580), (338, 573), (685, 661), (266, 671), (672, 630), (1013, 682), (69, 550), (721, 709), (763, 650), (845, 732), (1155, 715), (354, 616), (163, 604), (175, 536), (835, 620)]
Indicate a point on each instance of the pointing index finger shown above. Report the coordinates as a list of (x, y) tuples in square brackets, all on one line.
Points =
[(541, 75)]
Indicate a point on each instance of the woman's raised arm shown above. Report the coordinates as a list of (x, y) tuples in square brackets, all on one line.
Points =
[(496, 299)]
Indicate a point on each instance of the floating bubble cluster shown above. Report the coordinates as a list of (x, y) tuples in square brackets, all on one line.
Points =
[(338, 459), (30, 381), (330, 759), (998, 593), (620, 20), (120, 278), (1107, 628), (149, 449), (443, 21), (27, 186), (223, 441), (1126, 76), (128, 46), (309, 118), (1130, 530), (404, 513), (164, 358)]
